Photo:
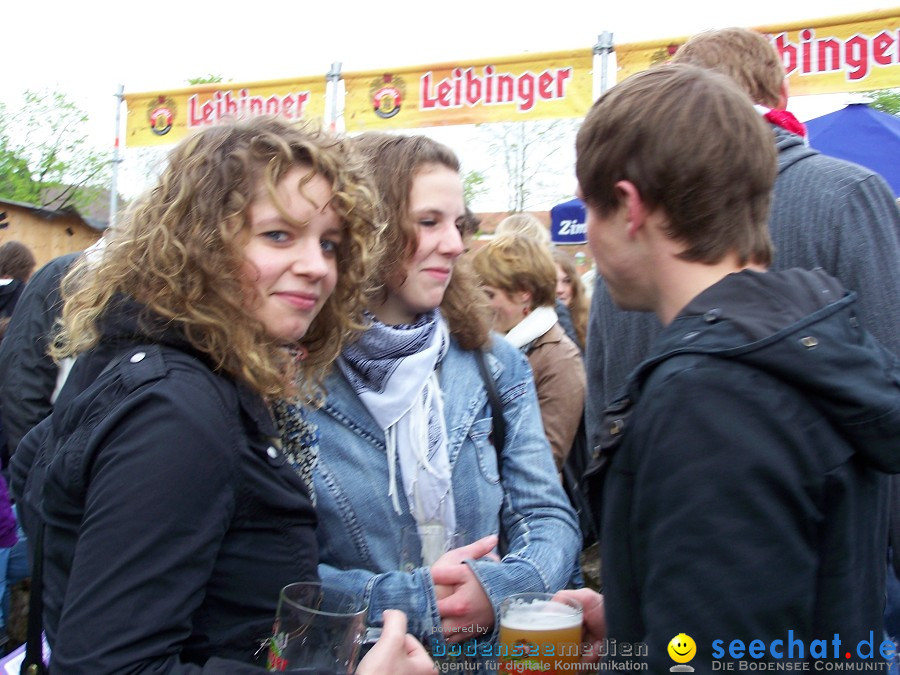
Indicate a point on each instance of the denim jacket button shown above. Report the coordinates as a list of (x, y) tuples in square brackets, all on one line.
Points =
[(272, 452)]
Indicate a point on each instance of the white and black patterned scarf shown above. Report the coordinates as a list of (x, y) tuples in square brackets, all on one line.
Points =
[(392, 369)]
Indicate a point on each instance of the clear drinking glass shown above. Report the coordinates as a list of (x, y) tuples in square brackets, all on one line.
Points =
[(318, 629), (422, 545)]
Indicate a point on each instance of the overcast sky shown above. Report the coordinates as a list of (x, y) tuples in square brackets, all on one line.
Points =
[(87, 48)]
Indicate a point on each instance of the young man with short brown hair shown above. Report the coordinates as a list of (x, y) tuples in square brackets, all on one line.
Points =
[(751, 443)]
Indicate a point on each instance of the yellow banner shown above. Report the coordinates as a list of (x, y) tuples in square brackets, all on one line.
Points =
[(164, 117), (856, 52), (538, 86)]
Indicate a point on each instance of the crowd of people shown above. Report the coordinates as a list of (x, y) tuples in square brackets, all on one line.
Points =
[(289, 355)]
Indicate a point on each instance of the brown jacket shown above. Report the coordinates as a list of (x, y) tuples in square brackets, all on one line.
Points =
[(560, 381)]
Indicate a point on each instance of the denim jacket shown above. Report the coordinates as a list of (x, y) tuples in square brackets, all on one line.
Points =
[(360, 533)]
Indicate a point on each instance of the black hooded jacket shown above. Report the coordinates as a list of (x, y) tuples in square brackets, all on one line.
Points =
[(171, 519), (745, 492)]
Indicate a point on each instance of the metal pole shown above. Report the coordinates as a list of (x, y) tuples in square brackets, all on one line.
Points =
[(603, 48), (113, 188), (333, 78)]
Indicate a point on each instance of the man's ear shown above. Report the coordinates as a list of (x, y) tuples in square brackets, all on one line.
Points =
[(783, 95), (631, 201)]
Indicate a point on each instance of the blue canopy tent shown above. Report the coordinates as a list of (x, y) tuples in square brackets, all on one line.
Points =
[(567, 223), (859, 134)]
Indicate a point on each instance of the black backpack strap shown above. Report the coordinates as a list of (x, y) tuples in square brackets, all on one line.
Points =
[(34, 649), (498, 434)]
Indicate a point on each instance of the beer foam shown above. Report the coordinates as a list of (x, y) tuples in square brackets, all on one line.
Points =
[(540, 615)]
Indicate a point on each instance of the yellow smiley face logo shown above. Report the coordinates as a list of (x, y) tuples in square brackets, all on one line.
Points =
[(682, 648)]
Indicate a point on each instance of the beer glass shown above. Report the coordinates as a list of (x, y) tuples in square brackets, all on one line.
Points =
[(318, 630), (539, 633)]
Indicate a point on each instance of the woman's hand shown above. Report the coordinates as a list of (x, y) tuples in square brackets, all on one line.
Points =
[(593, 619), (396, 650), (467, 611), (477, 549)]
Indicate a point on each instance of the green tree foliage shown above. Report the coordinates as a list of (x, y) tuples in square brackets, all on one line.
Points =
[(473, 185), (45, 158), (886, 100), (14, 171), (205, 79)]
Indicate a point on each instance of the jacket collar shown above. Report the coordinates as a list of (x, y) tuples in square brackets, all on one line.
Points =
[(463, 391)]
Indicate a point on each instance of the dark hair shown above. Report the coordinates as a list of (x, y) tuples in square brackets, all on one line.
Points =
[(692, 144), (16, 261)]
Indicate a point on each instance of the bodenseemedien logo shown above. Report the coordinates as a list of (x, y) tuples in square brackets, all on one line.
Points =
[(682, 649)]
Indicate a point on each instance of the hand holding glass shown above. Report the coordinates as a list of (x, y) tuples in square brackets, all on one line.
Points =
[(538, 631)]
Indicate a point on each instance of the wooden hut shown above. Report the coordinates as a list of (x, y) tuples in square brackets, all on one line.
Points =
[(47, 232)]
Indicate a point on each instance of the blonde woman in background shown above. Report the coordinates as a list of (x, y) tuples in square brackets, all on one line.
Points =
[(524, 223), (519, 277), (528, 225)]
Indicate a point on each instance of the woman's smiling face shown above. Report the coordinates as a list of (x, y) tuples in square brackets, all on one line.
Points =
[(292, 260), (437, 208)]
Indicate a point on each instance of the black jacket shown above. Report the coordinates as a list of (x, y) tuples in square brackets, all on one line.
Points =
[(745, 492), (9, 296), (172, 522), (29, 374)]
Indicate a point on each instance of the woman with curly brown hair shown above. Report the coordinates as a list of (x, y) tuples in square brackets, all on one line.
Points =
[(173, 512)]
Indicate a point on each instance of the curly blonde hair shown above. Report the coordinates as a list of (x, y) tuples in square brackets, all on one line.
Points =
[(394, 162), (180, 254)]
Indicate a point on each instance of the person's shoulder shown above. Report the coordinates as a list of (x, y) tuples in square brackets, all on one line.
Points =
[(56, 267), (691, 376), (164, 375), (829, 176), (503, 350), (565, 343), (506, 362), (556, 344)]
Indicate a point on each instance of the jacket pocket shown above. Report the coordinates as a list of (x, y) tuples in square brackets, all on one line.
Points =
[(480, 435)]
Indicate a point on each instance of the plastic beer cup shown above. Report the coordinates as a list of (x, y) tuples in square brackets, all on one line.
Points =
[(539, 633)]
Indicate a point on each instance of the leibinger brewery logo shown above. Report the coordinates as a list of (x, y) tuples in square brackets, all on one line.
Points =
[(161, 115), (388, 93), (663, 55)]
